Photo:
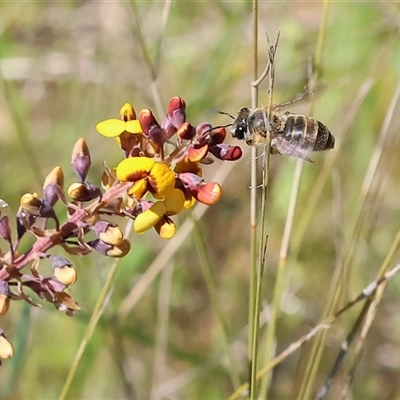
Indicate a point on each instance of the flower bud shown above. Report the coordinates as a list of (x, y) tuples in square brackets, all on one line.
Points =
[(206, 193), (6, 348), (121, 250), (109, 233), (186, 131), (5, 295), (81, 159), (83, 191), (147, 120), (63, 270), (109, 250), (176, 104), (54, 180), (151, 128), (176, 111), (31, 203)]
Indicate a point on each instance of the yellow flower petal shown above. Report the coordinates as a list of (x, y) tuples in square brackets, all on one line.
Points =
[(111, 127), (134, 168), (189, 203), (139, 188), (133, 126), (127, 112), (161, 179), (150, 217), (174, 202), (166, 228), (188, 166)]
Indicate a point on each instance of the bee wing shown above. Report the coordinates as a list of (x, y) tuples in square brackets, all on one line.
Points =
[(283, 146)]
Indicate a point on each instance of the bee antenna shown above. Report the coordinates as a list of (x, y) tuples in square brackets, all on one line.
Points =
[(216, 127), (220, 112)]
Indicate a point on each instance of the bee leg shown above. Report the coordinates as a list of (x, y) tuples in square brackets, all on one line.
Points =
[(282, 146)]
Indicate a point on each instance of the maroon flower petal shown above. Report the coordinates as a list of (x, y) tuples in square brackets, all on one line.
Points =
[(176, 111), (226, 152)]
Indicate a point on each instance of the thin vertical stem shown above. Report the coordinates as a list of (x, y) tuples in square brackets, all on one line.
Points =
[(263, 237), (253, 198), (278, 289)]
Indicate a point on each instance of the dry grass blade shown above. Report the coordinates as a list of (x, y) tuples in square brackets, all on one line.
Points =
[(372, 289), (368, 196)]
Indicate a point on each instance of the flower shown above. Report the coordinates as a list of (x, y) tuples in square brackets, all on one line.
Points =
[(208, 139), (127, 129), (207, 193), (114, 127), (147, 175)]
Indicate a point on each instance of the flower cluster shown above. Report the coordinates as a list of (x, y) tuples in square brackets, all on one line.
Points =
[(159, 176)]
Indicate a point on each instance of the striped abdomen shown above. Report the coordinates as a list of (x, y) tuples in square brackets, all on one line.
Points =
[(308, 133)]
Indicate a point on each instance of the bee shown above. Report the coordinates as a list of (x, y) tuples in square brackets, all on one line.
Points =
[(291, 134)]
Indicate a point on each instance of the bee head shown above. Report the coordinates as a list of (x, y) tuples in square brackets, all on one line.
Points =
[(239, 127)]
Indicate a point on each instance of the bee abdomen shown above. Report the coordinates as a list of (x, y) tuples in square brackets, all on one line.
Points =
[(296, 129), (308, 133), (324, 139)]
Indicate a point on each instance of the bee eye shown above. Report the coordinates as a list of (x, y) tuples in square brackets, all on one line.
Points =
[(239, 133)]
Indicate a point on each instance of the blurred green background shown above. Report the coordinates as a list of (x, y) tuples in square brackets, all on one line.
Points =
[(64, 66)]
